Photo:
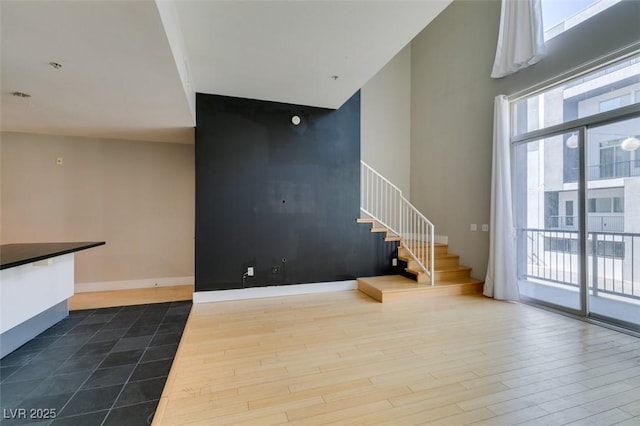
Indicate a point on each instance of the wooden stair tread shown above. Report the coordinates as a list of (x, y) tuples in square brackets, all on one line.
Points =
[(460, 281), (453, 268), (396, 288), (446, 266), (446, 256), (365, 220), (436, 257), (441, 269)]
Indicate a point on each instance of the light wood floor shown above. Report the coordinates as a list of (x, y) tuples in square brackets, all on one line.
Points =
[(139, 296), (343, 358)]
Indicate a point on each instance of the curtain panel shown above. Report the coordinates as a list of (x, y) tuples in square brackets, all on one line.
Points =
[(501, 280), (521, 37)]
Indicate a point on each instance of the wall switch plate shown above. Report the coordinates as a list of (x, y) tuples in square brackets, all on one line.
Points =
[(474, 227), (250, 271), (485, 227), (394, 262)]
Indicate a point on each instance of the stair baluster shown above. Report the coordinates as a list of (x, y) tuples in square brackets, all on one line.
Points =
[(383, 202)]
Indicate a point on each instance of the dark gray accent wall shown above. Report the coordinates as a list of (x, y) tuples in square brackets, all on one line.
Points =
[(278, 197)]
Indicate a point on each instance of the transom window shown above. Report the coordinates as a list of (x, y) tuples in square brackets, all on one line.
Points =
[(560, 15), (609, 88)]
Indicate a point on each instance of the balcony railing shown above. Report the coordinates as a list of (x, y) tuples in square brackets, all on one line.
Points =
[(595, 223), (622, 169), (613, 261)]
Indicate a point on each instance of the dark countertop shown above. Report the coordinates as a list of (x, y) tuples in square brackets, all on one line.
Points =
[(12, 255)]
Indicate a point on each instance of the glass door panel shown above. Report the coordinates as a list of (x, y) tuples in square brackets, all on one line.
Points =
[(546, 195), (613, 221)]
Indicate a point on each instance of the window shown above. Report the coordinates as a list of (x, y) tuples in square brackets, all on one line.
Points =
[(568, 210), (614, 161), (618, 205), (605, 205), (560, 15), (609, 88), (617, 102), (566, 149)]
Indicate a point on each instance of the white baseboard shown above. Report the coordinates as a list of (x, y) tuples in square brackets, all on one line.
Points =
[(273, 291), (133, 284)]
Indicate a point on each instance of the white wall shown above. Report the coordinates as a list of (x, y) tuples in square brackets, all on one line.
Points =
[(386, 121)]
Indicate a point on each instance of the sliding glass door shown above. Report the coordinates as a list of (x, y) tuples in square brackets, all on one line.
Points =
[(576, 160), (547, 196), (613, 220)]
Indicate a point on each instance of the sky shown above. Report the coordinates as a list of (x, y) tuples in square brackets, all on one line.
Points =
[(556, 11)]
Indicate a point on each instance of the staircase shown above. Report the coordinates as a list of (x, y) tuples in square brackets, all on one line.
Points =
[(426, 267)]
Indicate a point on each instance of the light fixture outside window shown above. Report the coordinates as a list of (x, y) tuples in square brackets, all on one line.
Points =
[(572, 141), (630, 144)]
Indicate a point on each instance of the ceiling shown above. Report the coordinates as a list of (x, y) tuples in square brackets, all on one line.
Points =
[(130, 69)]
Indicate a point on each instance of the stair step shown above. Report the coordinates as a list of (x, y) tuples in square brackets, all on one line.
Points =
[(446, 260), (439, 250), (469, 280), (420, 275), (365, 220), (440, 262), (447, 268), (452, 273), (393, 288), (447, 274)]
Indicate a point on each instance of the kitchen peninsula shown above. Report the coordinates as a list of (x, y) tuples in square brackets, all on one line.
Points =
[(36, 280)]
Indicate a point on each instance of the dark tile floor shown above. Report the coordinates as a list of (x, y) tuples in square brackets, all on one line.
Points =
[(96, 367)]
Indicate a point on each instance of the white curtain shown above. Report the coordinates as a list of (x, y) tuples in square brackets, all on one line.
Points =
[(501, 280), (521, 37)]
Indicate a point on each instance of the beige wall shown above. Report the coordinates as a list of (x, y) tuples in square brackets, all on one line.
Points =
[(452, 116), (452, 108), (386, 121), (136, 196)]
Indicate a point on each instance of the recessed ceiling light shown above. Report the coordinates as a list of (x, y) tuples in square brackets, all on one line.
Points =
[(55, 65), (295, 120), (21, 95)]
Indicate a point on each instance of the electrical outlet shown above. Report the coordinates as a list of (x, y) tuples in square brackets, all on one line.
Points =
[(250, 271), (394, 262), (474, 227), (485, 227)]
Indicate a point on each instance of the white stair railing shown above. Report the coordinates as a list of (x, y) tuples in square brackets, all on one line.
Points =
[(383, 201)]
